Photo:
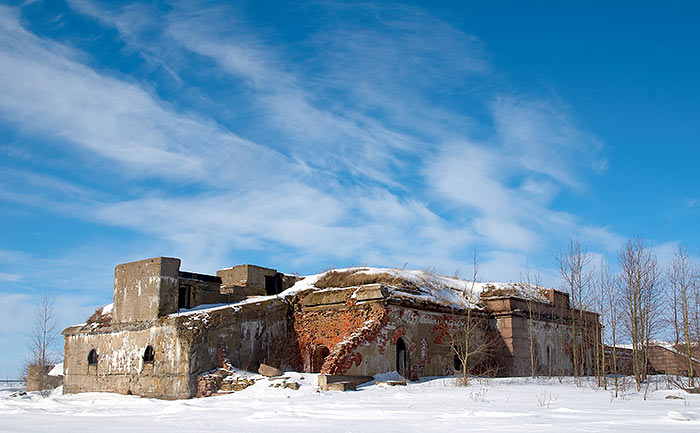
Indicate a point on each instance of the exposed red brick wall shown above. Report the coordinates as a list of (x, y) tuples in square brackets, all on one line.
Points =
[(331, 327)]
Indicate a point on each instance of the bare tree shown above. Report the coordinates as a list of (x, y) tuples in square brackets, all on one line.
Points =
[(575, 273), (43, 336), (640, 291), (470, 339), (696, 314), (529, 280), (682, 279), (613, 312), (603, 296)]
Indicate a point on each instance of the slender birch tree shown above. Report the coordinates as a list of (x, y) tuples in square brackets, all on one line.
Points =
[(576, 276), (682, 278), (43, 336), (640, 289)]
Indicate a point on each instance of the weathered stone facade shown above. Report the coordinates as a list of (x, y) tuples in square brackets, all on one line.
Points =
[(40, 379), (157, 341)]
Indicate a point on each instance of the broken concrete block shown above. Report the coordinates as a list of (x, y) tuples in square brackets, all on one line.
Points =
[(269, 371), (340, 386), (325, 379)]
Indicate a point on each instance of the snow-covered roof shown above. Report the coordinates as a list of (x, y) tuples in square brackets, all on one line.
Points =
[(427, 286), (414, 285), (57, 370)]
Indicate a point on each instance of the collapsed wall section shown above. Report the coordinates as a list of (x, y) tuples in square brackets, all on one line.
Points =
[(361, 331), (40, 379), (246, 334)]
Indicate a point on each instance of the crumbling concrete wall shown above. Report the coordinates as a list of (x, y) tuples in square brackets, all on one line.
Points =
[(244, 334), (246, 275), (120, 366), (38, 378), (147, 297), (197, 291), (146, 290)]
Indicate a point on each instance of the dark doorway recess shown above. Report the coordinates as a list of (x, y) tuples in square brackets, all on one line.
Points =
[(273, 284), (320, 355), (402, 358)]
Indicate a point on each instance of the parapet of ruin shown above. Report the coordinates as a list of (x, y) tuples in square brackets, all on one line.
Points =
[(167, 328)]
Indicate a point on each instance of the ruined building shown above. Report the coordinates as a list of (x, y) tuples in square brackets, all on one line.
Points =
[(166, 328)]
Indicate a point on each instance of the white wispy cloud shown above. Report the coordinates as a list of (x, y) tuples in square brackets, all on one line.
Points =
[(321, 135), (9, 277), (13, 256), (543, 138), (46, 90), (364, 160)]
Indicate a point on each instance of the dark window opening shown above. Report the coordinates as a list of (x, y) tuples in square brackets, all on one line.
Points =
[(273, 284), (320, 355), (149, 354), (92, 357), (457, 362), (549, 361), (183, 297), (401, 358)]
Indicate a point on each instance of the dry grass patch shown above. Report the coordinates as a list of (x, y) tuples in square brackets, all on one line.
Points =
[(99, 317), (357, 278)]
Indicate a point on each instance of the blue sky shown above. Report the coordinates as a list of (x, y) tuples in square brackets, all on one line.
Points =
[(304, 135)]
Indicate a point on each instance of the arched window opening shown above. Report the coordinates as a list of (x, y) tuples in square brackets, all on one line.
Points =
[(457, 361), (92, 357), (401, 358), (149, 354), (319, 358), (549, 361)]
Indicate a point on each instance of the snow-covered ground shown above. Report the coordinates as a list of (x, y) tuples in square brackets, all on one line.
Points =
[(432, 405)]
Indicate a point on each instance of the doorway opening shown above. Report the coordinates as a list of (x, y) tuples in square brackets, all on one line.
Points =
[(402, 358), (319, 358)]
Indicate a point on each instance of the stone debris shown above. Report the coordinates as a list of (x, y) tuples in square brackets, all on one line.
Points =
[(222, 381), (236, 384), (284, 384), (324, 380), (292, 385), (269, 371), (340, 386)]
